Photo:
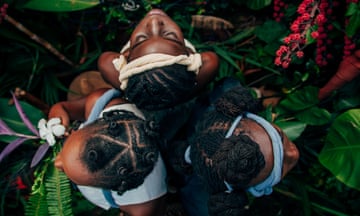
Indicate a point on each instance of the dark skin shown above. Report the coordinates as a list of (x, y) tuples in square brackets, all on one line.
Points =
[(68, 159), (258, 134), (158, 33)]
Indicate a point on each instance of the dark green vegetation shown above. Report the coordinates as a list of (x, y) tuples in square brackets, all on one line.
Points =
[(72, 36)]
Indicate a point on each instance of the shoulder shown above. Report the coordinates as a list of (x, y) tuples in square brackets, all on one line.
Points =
[(92, 98), (210, 57)]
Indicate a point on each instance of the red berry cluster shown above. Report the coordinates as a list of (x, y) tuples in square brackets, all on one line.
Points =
[(3, 10), (349, 44), (279, 7), (309, 16), (322, 41)]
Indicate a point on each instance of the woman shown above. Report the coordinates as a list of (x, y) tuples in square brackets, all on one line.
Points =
[(231, 151), (114, 157), (158, 68)]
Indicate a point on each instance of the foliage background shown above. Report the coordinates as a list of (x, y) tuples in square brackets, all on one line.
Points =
[(327, 131)]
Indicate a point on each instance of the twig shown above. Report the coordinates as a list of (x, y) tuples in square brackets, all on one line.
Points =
[(31, 99), (38, 39)]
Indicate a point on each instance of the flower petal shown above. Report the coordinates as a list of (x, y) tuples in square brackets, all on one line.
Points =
[(58, 130), (53, 121), (50, 139)]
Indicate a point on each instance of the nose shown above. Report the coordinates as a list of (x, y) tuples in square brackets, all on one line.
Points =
[(58, 163), (156, 25)]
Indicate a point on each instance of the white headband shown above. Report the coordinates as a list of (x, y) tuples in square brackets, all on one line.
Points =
[(154, 60)]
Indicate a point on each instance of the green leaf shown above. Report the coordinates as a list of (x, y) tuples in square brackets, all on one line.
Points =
[(314, 116), (226, 56), (353, 25), (10, 116), (58, 195), (239, 36), (292, 129), (258, 4), (270, 31), (351, 9), (300, 100), (36, 205), (342, 148), (60, 5)]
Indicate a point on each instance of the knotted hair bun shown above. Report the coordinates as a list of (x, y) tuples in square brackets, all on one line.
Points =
[(238, 160), (236, 101), (122, 171), (150, 157), (152, 128), (122, 187)]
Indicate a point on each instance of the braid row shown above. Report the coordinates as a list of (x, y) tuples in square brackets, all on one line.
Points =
[(120, 150), (161, 87)]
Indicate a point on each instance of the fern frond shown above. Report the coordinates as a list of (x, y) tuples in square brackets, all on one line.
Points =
[(58, 194), (36, 205)]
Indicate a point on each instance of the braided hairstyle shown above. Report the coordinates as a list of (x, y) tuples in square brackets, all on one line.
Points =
[(121, 150), (162, 87), (236, 159)]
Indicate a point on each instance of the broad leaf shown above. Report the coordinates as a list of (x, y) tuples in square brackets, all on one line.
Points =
[(60, 5), (301, 99), (292, 129), (341, 152), (314, 116), (270, 32), (11, 117)]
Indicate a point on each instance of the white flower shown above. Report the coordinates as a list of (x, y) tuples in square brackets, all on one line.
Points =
[(47, 129)]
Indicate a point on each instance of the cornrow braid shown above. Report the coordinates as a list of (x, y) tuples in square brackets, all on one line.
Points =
[(120, 150), (160, 88), (236, 159)]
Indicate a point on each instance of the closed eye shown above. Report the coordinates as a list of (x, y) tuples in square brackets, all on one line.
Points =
[(170, 35), (139, 39)]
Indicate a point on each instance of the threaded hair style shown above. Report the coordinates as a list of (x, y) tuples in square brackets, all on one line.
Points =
[(236, 159), (120, 150), (162, 87)]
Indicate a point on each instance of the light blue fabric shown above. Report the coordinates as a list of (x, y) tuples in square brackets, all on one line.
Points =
[(101, 103), (94, 114), (265, 187), (154, 185)]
